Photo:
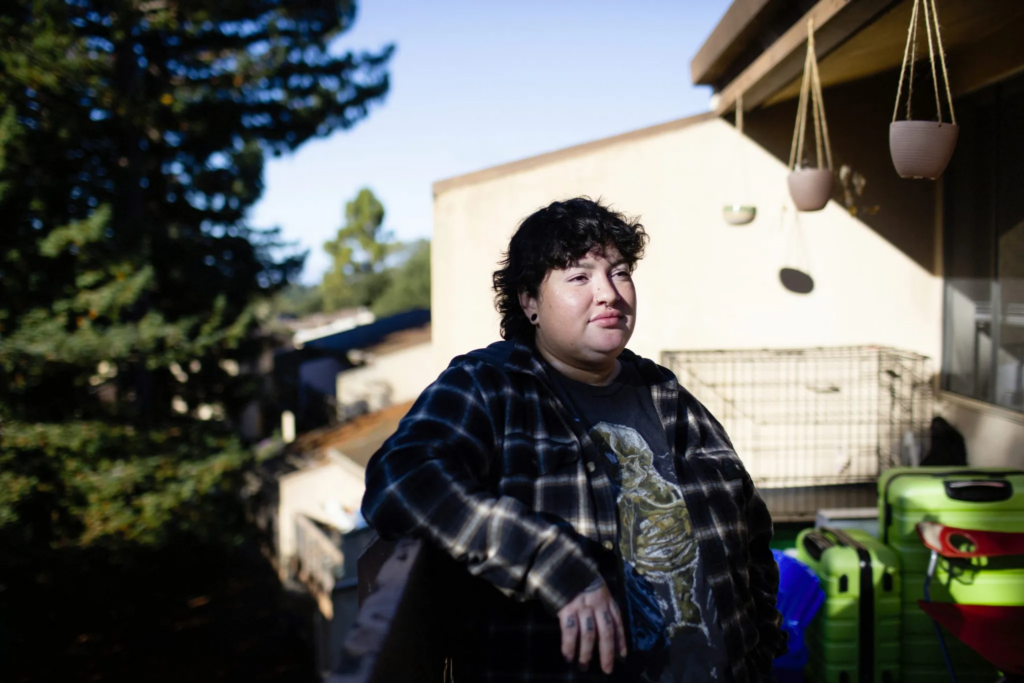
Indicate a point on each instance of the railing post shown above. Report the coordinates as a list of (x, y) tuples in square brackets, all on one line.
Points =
[(404, 628)]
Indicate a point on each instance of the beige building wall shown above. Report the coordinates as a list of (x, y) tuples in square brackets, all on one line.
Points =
[(321, 492), (704, 284), (395, 377)]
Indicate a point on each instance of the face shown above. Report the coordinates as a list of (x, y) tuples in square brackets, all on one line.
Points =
[(585, 313)]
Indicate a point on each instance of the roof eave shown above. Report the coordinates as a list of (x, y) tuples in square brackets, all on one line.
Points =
[(731, 35), (835, 21)]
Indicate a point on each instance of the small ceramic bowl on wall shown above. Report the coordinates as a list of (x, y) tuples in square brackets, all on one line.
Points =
[(738, 214)]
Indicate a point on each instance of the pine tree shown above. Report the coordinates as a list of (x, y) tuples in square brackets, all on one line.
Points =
[(132, 140), (358, 274), (409, 282)]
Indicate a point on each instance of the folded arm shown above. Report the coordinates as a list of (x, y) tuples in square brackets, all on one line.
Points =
[(427, 480)]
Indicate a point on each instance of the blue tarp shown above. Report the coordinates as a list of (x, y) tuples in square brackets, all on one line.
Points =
[(800, 598)]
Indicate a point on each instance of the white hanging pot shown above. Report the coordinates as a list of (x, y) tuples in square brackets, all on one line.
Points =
[(737, 214), (810, 188), (922, 149)]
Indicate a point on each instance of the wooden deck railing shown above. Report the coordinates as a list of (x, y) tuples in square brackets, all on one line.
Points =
[(320, 562), (403, 630)]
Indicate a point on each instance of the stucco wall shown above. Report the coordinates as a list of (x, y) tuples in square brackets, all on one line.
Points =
[(392, 378), (319, 493), (703, 284)]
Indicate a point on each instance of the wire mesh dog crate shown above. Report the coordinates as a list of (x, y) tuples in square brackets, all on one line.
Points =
[(811, 418)]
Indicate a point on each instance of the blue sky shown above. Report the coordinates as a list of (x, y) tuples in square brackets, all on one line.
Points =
[(476, 83)]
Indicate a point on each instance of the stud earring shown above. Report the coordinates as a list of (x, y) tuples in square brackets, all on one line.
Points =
[(533, 318)]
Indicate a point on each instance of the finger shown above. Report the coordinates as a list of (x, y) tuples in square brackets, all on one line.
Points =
[(570, 624), (606, 638), (620, 632), (588, 633)]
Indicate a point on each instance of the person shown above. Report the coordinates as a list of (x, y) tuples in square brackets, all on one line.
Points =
[(584, 483)]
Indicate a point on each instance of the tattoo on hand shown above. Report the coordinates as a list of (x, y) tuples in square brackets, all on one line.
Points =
[(607, 617), (590, 623), (570, 622)]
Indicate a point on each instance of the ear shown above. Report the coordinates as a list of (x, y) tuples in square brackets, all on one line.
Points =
[(528, 303)]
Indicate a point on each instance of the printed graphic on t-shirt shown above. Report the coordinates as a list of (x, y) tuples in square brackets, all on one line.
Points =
[(656, 542)]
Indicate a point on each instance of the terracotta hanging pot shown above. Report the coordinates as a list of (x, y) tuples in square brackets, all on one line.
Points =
[(922, 149), (739, 213), (810, 187), (736, 214)]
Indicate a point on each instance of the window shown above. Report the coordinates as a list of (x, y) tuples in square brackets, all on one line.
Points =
[(983, 246)]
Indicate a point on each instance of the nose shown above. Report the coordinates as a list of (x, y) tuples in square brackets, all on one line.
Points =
[(604, 290)]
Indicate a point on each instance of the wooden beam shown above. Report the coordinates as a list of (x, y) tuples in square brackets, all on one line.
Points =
[(996, 58), (981, 38), (834, 20), (729, 37)]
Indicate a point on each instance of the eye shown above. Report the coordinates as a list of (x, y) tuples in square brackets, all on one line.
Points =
[(578, 278), (622, 274)]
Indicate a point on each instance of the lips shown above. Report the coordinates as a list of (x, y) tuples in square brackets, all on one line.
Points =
[(609, 318)]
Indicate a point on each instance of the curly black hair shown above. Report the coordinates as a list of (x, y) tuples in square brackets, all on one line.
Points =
[(557, 236)]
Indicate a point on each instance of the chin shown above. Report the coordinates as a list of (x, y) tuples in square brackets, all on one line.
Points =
[(610, 344)]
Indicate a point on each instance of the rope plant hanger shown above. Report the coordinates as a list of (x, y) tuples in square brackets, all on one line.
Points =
[(739, 213), (922, 149), (810, 188)]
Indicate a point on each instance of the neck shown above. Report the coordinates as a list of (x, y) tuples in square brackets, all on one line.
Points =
[(598, 374)]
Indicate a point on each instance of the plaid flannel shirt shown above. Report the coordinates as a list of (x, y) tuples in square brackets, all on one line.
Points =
[(489, 465)]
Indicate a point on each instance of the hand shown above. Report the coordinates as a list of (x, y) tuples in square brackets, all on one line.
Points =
[(592, 615)]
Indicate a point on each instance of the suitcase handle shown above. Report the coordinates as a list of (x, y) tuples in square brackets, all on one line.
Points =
[(884, 493), (816, 543), (844, 539), (974, 491)]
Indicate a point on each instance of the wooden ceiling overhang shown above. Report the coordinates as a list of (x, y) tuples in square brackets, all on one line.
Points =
[(855, 39)]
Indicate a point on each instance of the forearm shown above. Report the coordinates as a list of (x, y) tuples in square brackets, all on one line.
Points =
[(413, 492)]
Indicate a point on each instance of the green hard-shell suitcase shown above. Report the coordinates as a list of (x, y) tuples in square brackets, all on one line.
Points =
[(855, 636), (990, 499)]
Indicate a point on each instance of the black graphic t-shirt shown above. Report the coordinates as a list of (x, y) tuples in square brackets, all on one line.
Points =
[(672, 621)]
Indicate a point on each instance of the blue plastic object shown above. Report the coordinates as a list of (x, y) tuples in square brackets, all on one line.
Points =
[(800, 598)]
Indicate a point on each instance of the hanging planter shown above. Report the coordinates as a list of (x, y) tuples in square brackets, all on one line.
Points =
[(922, 149), (739, 214), (810, 188)]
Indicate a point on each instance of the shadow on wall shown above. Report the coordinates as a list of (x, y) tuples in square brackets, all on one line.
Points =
[(796, 281), (859, 113)]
